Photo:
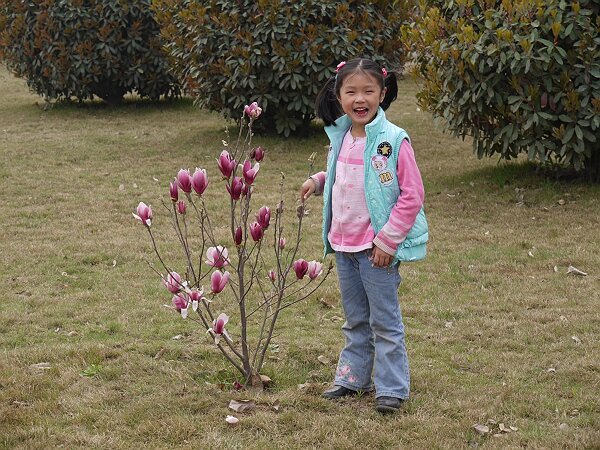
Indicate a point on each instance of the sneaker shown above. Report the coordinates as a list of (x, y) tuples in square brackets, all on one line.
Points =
[(338, 392), (388, 405)]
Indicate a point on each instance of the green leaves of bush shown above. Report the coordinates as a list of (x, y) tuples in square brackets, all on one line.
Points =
[(85, 48), (279, 54), (521, 76)]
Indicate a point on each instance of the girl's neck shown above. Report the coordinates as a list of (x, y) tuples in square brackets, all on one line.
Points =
[(358, 131)]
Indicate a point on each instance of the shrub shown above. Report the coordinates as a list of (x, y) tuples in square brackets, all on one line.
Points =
[(282, 52), (517, 76), (85, 48)]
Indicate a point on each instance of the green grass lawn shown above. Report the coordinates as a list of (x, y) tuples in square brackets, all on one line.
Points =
[(497, 331)]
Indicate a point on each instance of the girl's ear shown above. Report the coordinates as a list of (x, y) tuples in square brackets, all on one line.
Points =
[(382, 96)]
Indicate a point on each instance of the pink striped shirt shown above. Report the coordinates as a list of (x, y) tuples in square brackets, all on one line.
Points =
[(351, 229)]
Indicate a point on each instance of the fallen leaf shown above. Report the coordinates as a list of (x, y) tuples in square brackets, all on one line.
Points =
[(155, 179), (576, 339), (177, 338), (121, 187), (555, 269), (72, 333), (335, 319), (18, 403), (135, 185), (551, 370), (242, 405), (325, 304), (576, 271), (41, 366), (481, 429), (530, 254), (266, 381), (561, 202), (513, 428), (159, 353), (275, 406), (274, 348), (323, 359), (114, 262), (563, 426), (449, 324), (232, 421)]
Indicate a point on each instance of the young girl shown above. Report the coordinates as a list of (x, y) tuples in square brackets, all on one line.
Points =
[(373, 219)]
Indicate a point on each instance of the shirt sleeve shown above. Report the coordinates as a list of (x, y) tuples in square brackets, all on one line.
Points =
[(319, 179), (409, 203)]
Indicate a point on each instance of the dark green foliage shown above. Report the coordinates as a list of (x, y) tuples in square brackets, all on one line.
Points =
[(84, 48), (279, 54), (517, 76)]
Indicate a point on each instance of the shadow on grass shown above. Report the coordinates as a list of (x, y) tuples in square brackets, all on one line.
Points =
[(522, 173), (129, 104)]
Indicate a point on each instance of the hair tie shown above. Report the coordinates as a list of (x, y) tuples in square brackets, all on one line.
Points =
[(339, 66), (384, 72)]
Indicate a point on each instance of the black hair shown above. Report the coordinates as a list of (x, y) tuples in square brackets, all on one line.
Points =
[(327, 106)]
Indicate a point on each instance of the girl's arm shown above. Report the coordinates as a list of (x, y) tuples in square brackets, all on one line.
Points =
[(408, 205)]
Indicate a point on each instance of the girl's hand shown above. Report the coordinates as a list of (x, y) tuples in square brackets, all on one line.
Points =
[(380, 258), (307, 189)]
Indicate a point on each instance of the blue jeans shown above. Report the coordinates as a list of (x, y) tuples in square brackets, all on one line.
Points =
[(374, 330)]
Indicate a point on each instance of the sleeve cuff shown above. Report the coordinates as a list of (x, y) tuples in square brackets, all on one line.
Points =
[(379, 243), (318, 187)]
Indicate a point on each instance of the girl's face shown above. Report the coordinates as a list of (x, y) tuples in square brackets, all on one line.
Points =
[(360, 96)]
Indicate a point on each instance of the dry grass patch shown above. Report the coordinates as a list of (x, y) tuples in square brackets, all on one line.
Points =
[(495, 333)]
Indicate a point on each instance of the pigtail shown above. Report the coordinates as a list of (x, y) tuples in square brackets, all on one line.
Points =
[(391, 84), (327, 106)]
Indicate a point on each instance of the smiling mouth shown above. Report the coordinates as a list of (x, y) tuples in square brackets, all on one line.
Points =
[(361, 111)]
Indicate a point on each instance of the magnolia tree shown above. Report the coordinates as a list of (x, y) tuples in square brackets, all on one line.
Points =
[(261, 291)]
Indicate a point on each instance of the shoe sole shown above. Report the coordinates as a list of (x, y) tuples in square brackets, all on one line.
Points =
[(386, 409), (337, 397)]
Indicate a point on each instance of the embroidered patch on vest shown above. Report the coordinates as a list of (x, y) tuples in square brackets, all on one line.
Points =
[(379, 162), (386, 177), (384, 149)]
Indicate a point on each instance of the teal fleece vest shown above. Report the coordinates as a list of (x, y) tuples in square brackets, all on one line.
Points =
[(381, 186)]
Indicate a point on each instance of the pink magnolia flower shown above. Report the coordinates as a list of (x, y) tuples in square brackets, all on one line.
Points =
[(184, 179), (173, 282), (272, 275), (256, 231), (253, 110), (217, 256), (264, 217), (195, 296), (282, 242), (257, 154), (237, 236), (235, 190), (250, 171), (246, 190), (180, 303), (226, 163), (300, 266), (173, 190), (199, 181), (218, 281), (144, 214), (315, 269), (181, 207), (218, 327)]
